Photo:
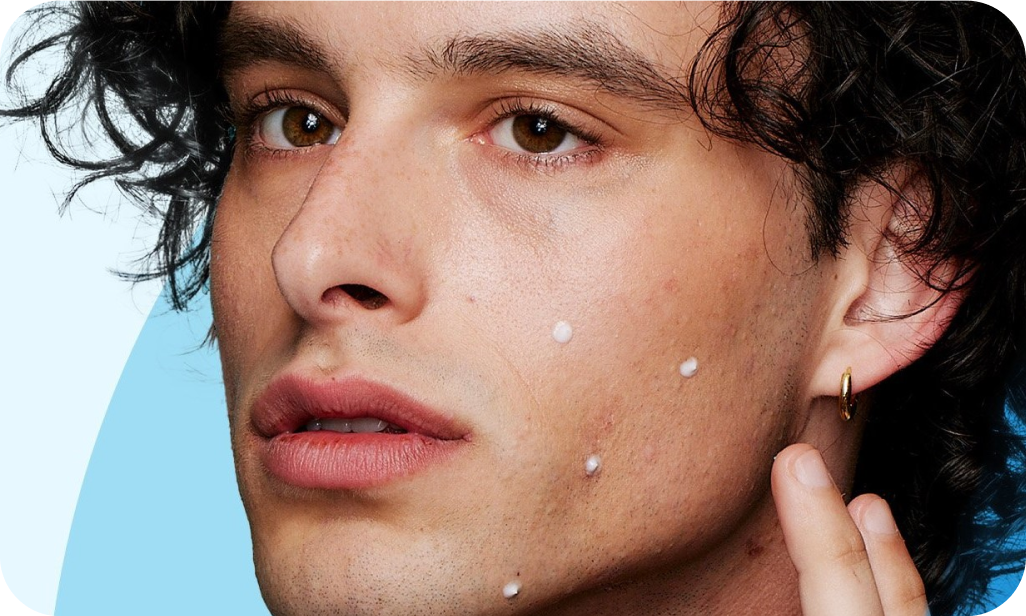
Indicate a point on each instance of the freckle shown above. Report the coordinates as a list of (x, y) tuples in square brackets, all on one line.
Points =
[(689, 367), (753, 549), (562, 332), (592, 465), (511, 589)]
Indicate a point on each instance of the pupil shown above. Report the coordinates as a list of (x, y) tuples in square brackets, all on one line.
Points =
[(311, 123), (541, 126)]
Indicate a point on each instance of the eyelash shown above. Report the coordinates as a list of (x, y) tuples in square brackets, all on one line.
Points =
[(253, 111), (509, 108)]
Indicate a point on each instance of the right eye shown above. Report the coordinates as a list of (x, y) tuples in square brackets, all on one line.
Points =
[(288, 128)]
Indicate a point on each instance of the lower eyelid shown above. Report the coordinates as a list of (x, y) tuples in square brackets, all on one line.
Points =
[(552, 162)]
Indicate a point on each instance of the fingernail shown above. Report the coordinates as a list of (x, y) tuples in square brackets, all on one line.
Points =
[(878, 519), (810, 471)]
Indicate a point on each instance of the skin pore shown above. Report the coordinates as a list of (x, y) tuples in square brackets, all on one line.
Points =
[(414, 241)]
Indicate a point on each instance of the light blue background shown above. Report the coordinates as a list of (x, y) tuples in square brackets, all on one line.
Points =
[(159, 528)]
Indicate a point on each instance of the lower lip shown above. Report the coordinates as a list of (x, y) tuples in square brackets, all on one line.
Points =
[(351, 461)]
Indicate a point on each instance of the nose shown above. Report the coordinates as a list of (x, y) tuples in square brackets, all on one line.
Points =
[(351, 251)]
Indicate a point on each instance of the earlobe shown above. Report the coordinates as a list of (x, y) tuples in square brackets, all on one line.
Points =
[(886, 308)]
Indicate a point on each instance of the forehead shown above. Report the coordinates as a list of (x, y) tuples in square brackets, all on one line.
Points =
[(646, 41)]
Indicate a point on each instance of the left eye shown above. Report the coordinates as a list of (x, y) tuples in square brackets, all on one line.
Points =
[(534, 134), (287, 128)]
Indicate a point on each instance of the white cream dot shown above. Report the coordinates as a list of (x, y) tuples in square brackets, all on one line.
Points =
[(592, 464), (689, 367), (562, 332), (511, 589)]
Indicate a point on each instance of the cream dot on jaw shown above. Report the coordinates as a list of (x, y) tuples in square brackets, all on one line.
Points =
[(592, 464), (511, 589), (562, 332), (689, 367)]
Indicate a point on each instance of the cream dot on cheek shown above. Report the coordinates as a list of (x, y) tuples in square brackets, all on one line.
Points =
[(562, 332), (511, 589), (592, 464), (689, 367)]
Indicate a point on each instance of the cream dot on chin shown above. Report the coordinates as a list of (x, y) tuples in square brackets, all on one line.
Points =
[(562, 332)]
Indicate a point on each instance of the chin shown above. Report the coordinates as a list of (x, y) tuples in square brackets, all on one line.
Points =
[(325, 578)]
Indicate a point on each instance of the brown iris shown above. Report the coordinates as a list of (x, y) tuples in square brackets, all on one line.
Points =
[(537, 134), (304, 127)]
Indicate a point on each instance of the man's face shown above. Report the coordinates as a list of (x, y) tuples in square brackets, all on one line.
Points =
[(419, 194)]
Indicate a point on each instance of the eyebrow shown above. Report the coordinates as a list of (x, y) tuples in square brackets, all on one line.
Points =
[(588, 52), (245, 41)]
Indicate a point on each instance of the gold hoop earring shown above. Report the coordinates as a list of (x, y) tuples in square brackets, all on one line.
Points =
[(847, 403)]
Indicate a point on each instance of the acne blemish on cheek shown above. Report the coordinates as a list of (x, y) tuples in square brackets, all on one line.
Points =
[(562, 332), (689, 367), (592, 465), (511, 589)]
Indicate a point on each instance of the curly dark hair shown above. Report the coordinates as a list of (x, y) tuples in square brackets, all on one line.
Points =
[(846, 92)]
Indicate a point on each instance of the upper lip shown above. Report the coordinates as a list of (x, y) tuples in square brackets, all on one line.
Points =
[(291, 401)]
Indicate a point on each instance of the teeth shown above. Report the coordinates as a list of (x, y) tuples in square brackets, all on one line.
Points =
[(358, 425), (368, 424), (336, 425)]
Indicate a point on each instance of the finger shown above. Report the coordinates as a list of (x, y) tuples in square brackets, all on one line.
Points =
[(901, 588), (834, 574)]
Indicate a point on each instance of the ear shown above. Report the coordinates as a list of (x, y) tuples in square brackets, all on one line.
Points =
[(883, 312)]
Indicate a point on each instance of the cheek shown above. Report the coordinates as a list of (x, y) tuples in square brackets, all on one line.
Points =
[(683, 460), (249, 311), (670, 445)]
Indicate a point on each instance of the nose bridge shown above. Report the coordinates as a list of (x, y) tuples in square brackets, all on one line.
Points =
[(351, 248)]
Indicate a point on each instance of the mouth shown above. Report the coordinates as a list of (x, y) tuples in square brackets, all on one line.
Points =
[(348, 434), (360, 425)]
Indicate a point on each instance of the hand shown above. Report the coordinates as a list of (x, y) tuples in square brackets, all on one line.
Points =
[(851, 561)]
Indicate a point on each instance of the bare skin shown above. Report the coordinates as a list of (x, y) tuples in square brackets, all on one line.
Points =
[(406, 236)]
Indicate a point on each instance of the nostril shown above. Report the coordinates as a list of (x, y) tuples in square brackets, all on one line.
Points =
[(367, 297)]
